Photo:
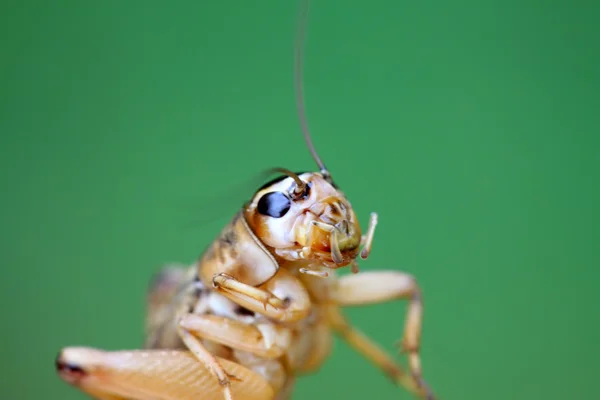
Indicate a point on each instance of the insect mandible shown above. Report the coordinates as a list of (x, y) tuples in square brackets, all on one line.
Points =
[(258, 307)]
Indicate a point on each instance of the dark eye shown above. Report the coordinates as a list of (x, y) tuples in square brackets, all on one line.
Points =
[(274, 204)]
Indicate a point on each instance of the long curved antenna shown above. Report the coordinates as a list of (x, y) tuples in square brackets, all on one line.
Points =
[(300, 188), (298, 74)]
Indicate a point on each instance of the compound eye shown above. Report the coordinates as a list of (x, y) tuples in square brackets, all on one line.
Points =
[(274, 204)]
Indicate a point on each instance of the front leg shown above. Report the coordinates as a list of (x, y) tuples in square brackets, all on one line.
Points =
[(152, 374), (377, 287), (283, 297)]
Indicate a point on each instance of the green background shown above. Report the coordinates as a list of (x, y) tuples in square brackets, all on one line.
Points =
[(131, 131)]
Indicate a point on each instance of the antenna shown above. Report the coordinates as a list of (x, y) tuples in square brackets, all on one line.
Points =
[(298, 80)]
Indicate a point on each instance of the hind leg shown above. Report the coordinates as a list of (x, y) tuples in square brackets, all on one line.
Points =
[(152, 374)]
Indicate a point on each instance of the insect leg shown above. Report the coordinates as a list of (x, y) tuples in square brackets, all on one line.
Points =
[(377, 287), (367, 240), (267, 341), (152, 374), (229, 284), (371, 351), (207, 359), (283, 297)]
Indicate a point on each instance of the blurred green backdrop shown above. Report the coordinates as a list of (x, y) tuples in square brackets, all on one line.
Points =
[(471, 127)]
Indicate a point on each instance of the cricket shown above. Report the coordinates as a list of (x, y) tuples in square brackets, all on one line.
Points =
[(261, 305)]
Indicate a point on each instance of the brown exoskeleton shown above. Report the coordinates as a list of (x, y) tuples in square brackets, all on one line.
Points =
[(262, 355), (259, 306)]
